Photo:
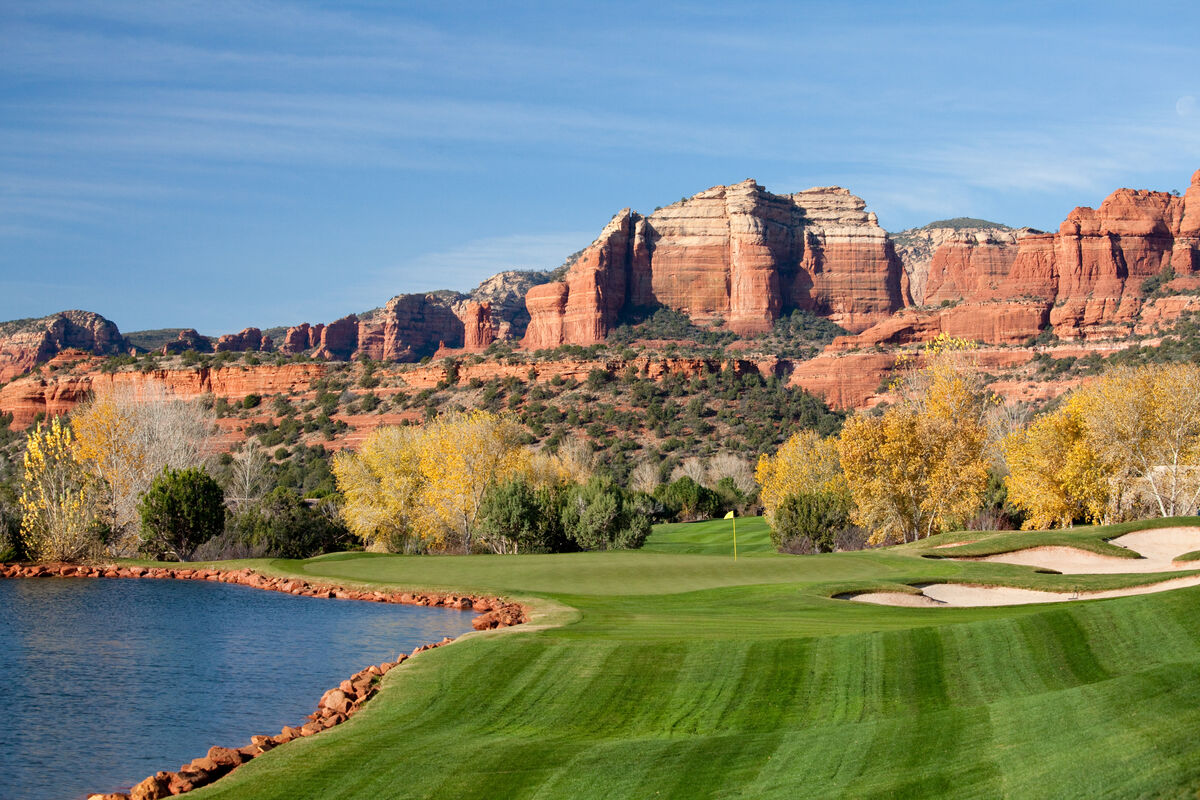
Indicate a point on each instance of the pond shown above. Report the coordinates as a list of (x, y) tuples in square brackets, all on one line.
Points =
[(107, 681)]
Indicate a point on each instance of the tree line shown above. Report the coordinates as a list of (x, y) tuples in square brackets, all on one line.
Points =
[(1124, 446), (130, 475)]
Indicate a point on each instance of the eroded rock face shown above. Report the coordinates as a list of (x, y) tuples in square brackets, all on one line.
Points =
[(414, 325), (27, 343), (54, 395), (189, 339), (478, 328), (735, 253), (1085, 281), (246, 340), (504, 293), (953, 259), (296, 339), (1103, 255), (339, 339)]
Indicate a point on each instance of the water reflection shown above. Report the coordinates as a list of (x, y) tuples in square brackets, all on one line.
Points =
[(107, 681)]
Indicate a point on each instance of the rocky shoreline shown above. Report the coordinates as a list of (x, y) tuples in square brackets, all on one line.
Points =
[(335, 706)]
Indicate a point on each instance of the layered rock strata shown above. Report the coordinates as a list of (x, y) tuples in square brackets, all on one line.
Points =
[(189, 339), (26, 343), (1085, 281), (246, 340), (734, 253), (53, 395)]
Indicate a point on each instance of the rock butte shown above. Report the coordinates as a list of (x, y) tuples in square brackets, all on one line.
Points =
[(737, 253), (744, 256)]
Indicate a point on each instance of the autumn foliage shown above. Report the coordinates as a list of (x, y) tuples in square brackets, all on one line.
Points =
[(413, 489), (917, 469), (1126, 445), (59, 500)]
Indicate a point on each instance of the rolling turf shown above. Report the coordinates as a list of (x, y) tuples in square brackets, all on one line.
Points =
[(675, 672)]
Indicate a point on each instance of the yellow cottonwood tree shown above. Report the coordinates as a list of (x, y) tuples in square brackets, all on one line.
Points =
[(126, 440), (922, 466), (461, 457), (381, 484), (421, 488), (804, 464), (1055, 474), (58, 500), (1144, 424)]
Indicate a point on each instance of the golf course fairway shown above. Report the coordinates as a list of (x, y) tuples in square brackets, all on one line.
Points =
[(675, 671)]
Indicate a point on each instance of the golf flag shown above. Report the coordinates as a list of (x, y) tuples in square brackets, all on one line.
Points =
[(730, 516)]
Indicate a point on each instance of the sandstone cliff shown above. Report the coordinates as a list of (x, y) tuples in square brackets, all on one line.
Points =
[(411, 326), (735, 253), (26, 343), (57, 394), (1086, 281), (951, 258), (246, 340)]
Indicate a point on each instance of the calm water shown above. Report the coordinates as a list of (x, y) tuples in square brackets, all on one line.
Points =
[(107, 681)]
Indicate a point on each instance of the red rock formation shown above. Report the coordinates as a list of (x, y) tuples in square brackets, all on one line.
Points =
[(26, 343), (409, 327), (246, 340), (188, 339), (297, 339), (1087, 278), (1010, 322), (734, 253), (414, 325), (970, 266), (26, 397), (857, 380), (478, 328), (338, 340), (963, 248)]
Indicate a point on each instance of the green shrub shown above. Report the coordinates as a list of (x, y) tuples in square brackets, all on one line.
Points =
[(251, 400), (282, 525), (687, 500), (181, 510), (524, 519), (599, 515), (809, 520)]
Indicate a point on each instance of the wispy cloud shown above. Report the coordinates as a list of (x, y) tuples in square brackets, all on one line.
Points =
[(469, 263)]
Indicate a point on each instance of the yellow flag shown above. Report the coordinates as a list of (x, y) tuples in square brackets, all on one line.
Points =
[(729, 515)]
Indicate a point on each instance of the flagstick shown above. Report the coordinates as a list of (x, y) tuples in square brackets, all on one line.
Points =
[(735, 538)]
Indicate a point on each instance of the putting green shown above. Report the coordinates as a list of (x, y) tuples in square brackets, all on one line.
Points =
[(676, 672)]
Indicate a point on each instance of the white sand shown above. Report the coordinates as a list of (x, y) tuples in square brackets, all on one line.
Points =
[(959, 594), (1164, 544), (962, 595), (1157, 548), (895, 599), (1073, 561)]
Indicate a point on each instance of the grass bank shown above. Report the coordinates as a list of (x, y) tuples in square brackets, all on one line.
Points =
[(676, 672)]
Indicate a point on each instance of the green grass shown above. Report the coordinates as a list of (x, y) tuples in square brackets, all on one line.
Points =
[(676, 672), (711, 538)]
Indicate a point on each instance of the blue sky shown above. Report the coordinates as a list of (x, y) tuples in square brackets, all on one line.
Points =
[(223, 164)]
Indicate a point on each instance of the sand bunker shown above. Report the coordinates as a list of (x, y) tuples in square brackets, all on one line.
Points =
[(894, 599), (1157, 548), (962, 595), (1164, 544)]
